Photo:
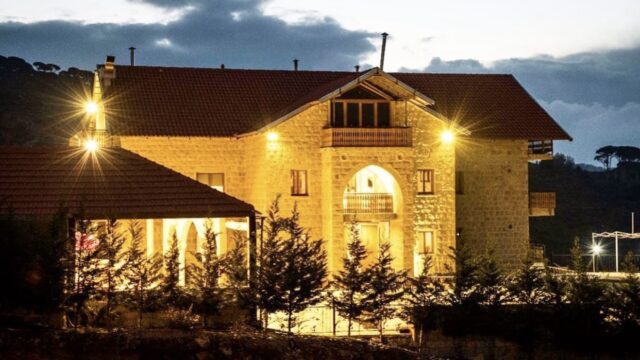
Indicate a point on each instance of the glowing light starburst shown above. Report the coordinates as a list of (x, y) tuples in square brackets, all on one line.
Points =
[(91, 107), (91, 145), (447, 136)]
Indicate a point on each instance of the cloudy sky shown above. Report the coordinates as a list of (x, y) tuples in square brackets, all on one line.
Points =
[(579, 59)]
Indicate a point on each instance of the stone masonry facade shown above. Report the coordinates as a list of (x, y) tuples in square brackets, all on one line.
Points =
[(257, 167)]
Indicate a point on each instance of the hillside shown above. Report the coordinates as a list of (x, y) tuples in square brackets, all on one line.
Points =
[(40, 105), (586, 201)]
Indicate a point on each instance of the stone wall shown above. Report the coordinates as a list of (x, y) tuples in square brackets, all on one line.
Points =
[(493, 211), (257, 167)]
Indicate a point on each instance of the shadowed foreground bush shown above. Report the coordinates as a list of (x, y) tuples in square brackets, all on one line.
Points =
[(173, 344)]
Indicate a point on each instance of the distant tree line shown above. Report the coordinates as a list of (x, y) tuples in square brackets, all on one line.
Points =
[(622, 154), (587, 201)]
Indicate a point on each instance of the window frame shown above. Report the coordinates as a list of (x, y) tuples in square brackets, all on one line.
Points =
[(422, 241), (295, 178), (421, 190), (345, 123)]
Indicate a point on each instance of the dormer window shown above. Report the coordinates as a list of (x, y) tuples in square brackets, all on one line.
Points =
[(360, 108)]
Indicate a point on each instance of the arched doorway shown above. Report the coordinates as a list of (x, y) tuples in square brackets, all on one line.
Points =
[(372, 198)]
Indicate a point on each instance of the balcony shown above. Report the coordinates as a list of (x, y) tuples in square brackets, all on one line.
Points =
[(540, 150), (542, 204), (367, 204), (398, 136)]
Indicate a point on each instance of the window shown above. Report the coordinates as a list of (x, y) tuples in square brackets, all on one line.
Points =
[(459, 182), (299, 182), (384, 115), (215, 180), (360, 113), (425, 244), (425, 182)]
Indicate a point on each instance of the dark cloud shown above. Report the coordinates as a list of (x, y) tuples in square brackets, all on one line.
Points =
[(235, 33), (595, 96), (608, 77)]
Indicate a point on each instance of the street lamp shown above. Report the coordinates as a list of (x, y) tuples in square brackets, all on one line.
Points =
[(596, 250)]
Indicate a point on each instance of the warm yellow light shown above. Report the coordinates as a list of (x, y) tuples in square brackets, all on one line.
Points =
[(91, 145), (272, 136), (91, 107), (596, 249), (447, 136)]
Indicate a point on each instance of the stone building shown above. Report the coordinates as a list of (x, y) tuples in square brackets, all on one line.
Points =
[(417, 160)]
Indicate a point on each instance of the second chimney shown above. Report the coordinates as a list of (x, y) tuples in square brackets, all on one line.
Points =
[(295, 64), (132, 55), (384, 46)]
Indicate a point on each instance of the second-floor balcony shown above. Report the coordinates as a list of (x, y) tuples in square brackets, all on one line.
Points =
[(355, 203), (542, 204), (347, 136)]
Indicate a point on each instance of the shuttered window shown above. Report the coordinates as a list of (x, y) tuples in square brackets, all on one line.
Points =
[(299, 182)]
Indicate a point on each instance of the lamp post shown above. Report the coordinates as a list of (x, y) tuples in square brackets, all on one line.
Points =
[(596, 250)]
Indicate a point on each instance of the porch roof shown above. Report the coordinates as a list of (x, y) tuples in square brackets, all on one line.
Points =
[(110, 183)]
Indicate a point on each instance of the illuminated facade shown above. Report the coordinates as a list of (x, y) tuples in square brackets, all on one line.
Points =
[(417, 160)]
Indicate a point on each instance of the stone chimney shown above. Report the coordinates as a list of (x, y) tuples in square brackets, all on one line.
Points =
[(108, 71)]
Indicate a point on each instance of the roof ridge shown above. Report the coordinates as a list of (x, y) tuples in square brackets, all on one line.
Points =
[(234, 69)]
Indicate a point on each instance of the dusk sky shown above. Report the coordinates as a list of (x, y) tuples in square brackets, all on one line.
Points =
[(579, 59)]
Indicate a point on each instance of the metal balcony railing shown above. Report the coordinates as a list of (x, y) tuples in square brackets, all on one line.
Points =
[(368, 203), (395, 136)]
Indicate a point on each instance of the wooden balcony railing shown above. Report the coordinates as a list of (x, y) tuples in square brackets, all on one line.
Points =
[(542, 203), (398, 136), (540, 149), (368, 203)]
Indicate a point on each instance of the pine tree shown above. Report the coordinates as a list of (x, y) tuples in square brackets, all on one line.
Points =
[(464, 287), (171, 280), (491, 285), (422, 294), (527, 285), (626, 304), (266, 287), (583, 289), (234, 267), (142, 273), (304, 269), (351, 280), (383, 288), (84, 279), (555, 287), (205, 275), (111, 250)]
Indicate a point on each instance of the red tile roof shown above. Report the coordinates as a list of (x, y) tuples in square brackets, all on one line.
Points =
[(488, 105), (113, 183), (161, 101), (167, 101)]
